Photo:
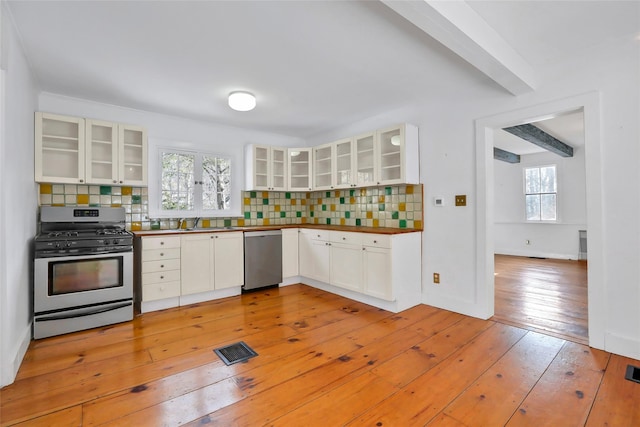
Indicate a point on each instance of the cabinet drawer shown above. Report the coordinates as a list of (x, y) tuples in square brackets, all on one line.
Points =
[(345, 237), (160, 242), (316, 234), (160, 254), (160, 277), (161, 265), (376, 240), (160, 291)]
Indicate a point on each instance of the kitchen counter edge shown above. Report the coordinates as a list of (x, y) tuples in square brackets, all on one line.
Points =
[(356, 229)]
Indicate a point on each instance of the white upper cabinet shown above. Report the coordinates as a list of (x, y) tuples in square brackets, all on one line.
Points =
[(365, 153), (76, 150), (266, 168), (59, 149), (398, 156), (132, 155), (323, 167), (344, 165), (102, 152), (300, 169)]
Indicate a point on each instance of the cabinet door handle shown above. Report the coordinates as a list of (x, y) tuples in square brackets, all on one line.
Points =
[(115, 182), (162, 277), (82, 180), (161, 265), (161, 254), (162, 243)]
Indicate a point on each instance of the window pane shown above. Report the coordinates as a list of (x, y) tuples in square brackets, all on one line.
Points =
[(216, 188), (533, 207), (177, 181), (548, 179), (548, 207), (532, 180)]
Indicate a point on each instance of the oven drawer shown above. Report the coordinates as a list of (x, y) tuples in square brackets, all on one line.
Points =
[(160, 242), (160, 254), (161, 277), (158, 291), (162, 265)]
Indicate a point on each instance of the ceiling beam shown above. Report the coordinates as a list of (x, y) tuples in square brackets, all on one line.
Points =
[(505, 156), (540, 138), (459, 28)]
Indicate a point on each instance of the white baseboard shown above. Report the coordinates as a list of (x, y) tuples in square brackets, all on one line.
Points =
[(624, 346)]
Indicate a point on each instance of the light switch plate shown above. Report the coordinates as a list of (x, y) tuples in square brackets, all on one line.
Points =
[(461, 200)]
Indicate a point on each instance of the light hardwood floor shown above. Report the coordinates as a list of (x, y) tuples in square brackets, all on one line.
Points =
[(323, 361), (544, 295)]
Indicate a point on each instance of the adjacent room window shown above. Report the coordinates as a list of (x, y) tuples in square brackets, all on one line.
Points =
[(540, 187), (194, 183)]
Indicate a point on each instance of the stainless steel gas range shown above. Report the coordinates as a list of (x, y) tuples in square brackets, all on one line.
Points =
[(83, 270)]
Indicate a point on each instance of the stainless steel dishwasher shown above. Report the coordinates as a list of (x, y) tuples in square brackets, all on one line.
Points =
[(262, 258)]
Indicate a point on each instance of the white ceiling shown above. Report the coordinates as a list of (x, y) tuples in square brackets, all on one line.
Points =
[(313, 65)]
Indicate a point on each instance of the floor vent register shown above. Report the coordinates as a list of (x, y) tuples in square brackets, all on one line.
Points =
[(234, 353)]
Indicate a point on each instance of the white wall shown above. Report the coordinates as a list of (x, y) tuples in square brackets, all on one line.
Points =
[(18, 194), (550, 240), (448, 167)]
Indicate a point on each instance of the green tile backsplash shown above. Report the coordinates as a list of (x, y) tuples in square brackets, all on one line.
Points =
[(398, 206)]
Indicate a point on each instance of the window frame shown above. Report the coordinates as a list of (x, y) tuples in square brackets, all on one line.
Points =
[(155, 184), (540, 193)]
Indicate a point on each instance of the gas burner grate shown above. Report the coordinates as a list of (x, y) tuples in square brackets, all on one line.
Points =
[(234, 353)]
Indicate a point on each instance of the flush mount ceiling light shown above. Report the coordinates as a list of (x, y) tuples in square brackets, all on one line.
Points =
[(242, 101)]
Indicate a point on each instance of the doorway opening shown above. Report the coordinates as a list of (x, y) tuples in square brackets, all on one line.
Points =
[(488, 237), (539, 217)]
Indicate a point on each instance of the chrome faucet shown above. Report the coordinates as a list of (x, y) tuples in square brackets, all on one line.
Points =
[(195, 222), (180, 222)]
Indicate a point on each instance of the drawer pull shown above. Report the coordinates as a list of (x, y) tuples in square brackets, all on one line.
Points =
[(344, 238), (161, 265), (161, 253), (375, 241), (162, 277), (162, 243)]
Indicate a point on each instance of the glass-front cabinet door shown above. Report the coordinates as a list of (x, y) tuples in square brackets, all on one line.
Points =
[(322, 167), (300, 169), (344, 168), (102, 152), (278, 169), (132, 155), (59, 149), (390, 157), (365, 160)]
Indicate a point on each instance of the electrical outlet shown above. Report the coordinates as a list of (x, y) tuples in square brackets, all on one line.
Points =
[(461, 200), (436, 277)]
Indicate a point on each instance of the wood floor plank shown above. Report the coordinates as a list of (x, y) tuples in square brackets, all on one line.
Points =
[(426, 396), (617, 402), (70, 417), (493, 398), (565, 393), (430, 352), (340, 404)]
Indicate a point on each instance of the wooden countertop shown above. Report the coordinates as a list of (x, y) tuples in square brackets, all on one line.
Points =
[(372, 230)]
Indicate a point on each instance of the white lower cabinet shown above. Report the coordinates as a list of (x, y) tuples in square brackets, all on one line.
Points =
[(289, 252), (195, 261), (346, 260), (379, 269), (158, 260), (211, 261), (228, 260), (314, 254)]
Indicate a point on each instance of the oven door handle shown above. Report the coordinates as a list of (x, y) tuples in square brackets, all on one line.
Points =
[(83, 313)]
